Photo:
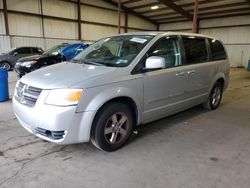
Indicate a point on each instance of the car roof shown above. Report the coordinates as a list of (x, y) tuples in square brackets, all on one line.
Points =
[(26, 47), (155, 33)]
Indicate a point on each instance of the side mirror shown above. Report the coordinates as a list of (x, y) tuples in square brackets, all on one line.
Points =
[(155, 62)]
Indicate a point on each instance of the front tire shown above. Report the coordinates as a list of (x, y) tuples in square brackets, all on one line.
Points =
[(214, 98), (112, 126)]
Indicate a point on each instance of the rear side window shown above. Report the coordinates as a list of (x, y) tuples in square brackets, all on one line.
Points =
[(217, 50), (195, 50), (23, 50)]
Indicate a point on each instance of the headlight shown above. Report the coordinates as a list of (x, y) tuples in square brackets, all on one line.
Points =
[(28, 63), (63, 97)]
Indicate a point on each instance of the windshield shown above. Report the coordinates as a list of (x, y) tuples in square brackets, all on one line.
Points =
[(54, 50), (118, 51)]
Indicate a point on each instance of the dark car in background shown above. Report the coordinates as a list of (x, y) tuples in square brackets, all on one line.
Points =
[(56, 54), (9, 59)]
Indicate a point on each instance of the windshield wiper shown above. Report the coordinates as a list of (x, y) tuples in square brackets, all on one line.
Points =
[(88, 62)]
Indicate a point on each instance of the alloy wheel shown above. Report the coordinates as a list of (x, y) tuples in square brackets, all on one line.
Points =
[(116, 128)]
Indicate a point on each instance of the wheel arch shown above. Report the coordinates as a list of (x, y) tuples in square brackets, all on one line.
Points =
[(121, 99), (125, 100), (5, 61), (219, 78), (221, 81)]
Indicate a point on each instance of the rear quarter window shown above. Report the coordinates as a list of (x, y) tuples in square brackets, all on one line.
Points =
[(217, 50), (37, 50)]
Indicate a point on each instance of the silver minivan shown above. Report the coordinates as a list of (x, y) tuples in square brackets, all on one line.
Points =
[(120, 82)]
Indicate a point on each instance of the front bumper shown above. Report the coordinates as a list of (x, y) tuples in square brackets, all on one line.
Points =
[(45, 121)]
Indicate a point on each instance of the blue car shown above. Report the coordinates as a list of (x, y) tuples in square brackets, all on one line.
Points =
[(71, 50), (56, 54)]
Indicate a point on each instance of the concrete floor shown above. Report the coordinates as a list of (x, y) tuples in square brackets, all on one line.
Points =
[(193, 149)]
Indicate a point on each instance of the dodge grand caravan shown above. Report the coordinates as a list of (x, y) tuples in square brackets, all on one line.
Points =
[(120, 82)]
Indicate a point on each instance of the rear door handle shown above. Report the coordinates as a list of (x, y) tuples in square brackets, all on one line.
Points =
[(191, 72), (180, 74)]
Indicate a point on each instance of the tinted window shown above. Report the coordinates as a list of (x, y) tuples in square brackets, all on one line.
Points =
[(168, 48), (23, 50), (195, 49), (37, 50), (217, 50)]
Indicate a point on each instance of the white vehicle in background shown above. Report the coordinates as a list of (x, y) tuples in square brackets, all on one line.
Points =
[(120, 82)]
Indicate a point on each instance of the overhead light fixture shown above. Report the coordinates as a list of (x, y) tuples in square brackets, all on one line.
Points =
[(154, 7)]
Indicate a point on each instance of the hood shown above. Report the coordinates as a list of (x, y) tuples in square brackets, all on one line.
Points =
[(65, 75), (30, 58), (35, 57)]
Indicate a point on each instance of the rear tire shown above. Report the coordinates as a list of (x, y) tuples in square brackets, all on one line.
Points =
[(112, 126), (214, 98), (6, 65)]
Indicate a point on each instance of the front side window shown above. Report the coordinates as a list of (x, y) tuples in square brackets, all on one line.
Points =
[(195, 50), (118, 51), (168, 48), (217, 50)]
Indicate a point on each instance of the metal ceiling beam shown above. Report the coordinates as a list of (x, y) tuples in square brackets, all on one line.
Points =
[(226, 16), (131, 1), (128, 10), (159, 16), (215, 14), (201, 9), (177, 8), (183, 5), (145, 5)]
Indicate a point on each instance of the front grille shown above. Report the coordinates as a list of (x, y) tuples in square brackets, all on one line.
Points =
[(27, 95), (55, 135)]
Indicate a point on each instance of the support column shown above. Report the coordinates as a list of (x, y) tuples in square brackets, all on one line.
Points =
[(119, 16), (126, 22), (158, 27), (41, 9), (6, 21), (195, 17), (79, 20)]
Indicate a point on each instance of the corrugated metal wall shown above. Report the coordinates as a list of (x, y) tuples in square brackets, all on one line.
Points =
[(4, 44), (26, 30), (234, 32)]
